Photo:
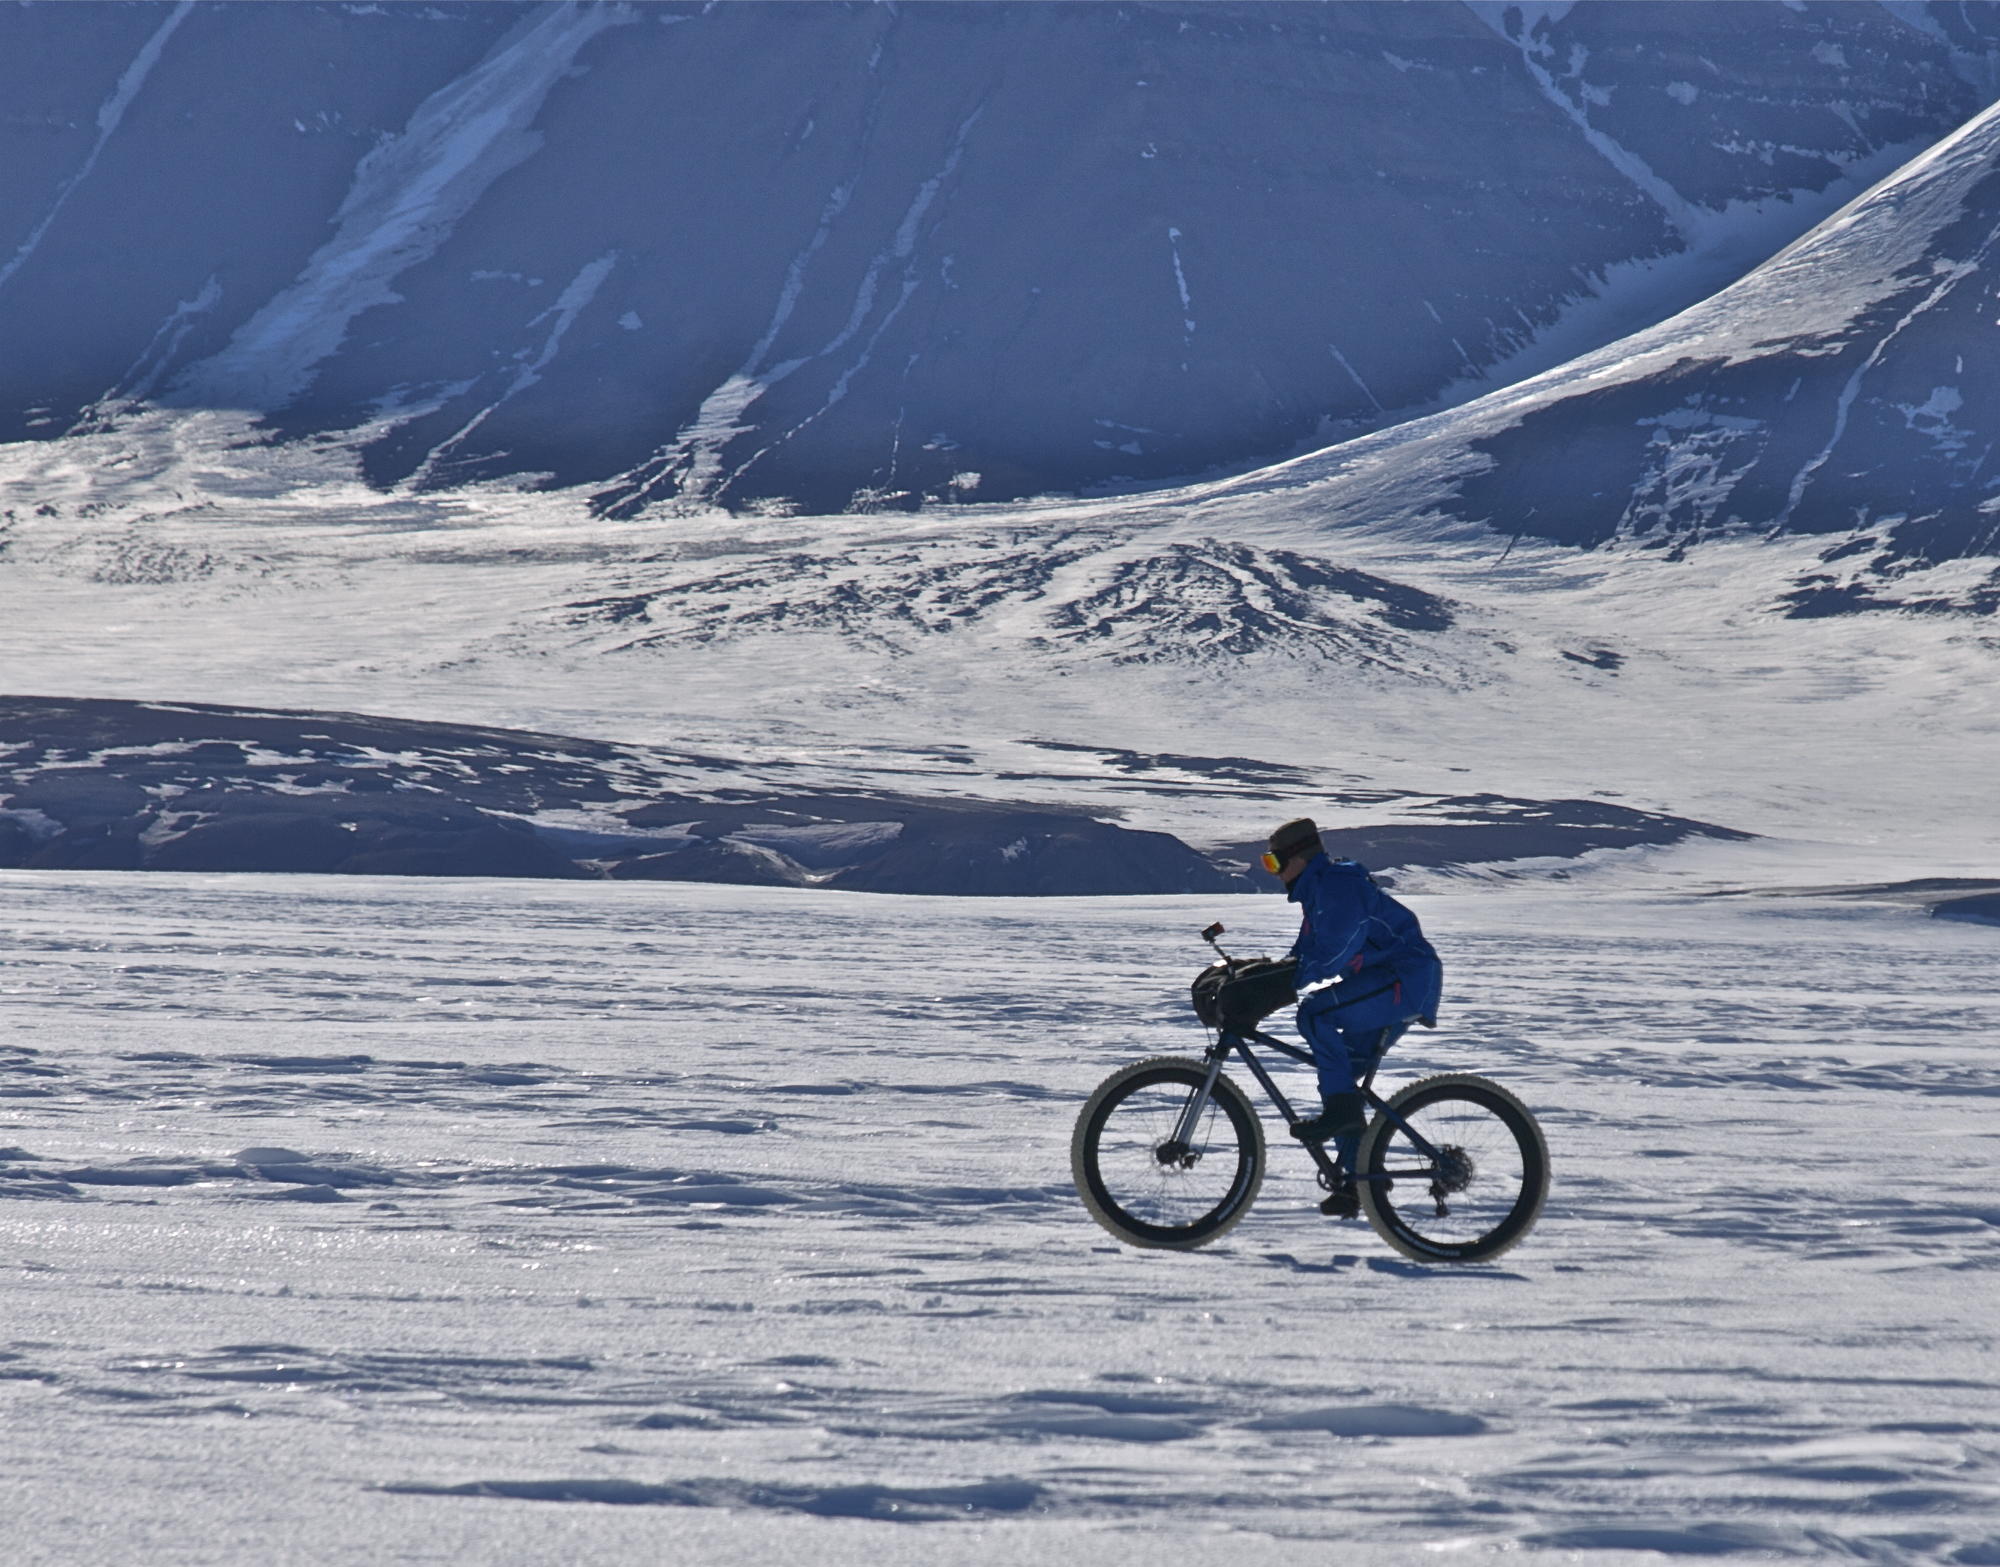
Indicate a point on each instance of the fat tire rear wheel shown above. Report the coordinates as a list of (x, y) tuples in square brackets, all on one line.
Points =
[(1494, 1188), (1116, 1155)]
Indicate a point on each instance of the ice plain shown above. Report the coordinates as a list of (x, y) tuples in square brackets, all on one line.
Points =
[(428, 1220)]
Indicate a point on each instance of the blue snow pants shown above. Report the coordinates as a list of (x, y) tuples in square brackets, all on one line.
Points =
[(1349, 1039)]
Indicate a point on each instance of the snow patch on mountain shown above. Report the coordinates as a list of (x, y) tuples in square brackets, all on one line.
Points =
[(407, 196), (1778, 404)]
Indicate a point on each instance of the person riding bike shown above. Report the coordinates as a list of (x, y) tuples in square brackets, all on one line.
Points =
[(1169, 1151), (1365, 974)]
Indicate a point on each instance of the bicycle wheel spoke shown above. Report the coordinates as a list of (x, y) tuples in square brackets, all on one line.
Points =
[(1476, 1190), (1174, 1191), (1146, 1184)]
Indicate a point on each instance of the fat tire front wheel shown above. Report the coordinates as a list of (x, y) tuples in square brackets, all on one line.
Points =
[(1481, 1197), (1143, 1188)]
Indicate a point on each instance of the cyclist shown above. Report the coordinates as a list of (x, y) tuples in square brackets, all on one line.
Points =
[(1366, 973)]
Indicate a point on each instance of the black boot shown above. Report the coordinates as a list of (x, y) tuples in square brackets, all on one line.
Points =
[(1344, 1203), (1343, 1113)]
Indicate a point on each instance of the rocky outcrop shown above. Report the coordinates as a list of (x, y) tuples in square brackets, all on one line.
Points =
[(110, 785), (106, 785)]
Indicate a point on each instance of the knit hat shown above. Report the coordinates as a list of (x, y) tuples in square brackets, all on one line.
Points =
[(1296, 837)]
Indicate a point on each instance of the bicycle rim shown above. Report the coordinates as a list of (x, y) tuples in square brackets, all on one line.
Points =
[(1490, 1178), (1149, 1193)]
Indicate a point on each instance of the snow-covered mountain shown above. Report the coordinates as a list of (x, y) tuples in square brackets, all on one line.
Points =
[(1398, 633), (1846, 389), (822, 256)]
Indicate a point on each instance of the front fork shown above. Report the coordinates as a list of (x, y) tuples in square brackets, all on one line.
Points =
[(1184, 1129), (1198, 1101)]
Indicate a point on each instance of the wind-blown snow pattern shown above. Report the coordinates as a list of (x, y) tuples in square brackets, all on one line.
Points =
[(556, 1222)]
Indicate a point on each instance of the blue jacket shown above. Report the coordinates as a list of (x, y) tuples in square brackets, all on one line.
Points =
[(1352, 926)]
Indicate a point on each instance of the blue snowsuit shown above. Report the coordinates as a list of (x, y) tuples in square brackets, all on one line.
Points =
[(1389, 975)]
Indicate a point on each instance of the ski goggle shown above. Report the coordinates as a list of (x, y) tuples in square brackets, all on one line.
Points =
[(1270, 862)]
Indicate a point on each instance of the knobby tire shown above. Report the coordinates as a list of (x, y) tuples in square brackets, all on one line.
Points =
[(1114, 1156), (1499, 1147)]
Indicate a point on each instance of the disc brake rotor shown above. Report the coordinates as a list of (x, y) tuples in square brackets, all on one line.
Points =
[(1455, 1169)]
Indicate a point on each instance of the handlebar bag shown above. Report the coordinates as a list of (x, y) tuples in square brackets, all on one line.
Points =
[(1240, 995)]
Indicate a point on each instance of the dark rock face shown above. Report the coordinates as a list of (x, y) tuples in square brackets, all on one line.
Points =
[(106, 785), (16, 842), (132, 785), (980, 855), (275, 841), (709, 860), (860, 255), (1485, 829), (93, 846), (1981, 908), (101, 785), (492, 848), (901, 843)]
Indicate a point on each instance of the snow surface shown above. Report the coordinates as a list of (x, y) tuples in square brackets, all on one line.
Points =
[(506, 1222)]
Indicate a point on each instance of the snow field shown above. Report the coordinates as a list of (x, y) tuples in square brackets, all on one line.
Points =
[(548, 1222), (1872, 730)]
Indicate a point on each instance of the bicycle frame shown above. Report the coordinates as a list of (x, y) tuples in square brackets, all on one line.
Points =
[(1230, 1042)]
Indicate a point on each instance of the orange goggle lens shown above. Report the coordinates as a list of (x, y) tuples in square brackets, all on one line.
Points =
[(1270, 862)]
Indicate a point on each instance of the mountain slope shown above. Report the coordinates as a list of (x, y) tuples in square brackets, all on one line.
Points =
[(1845, 388), (829, 256), (1378, 633)]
